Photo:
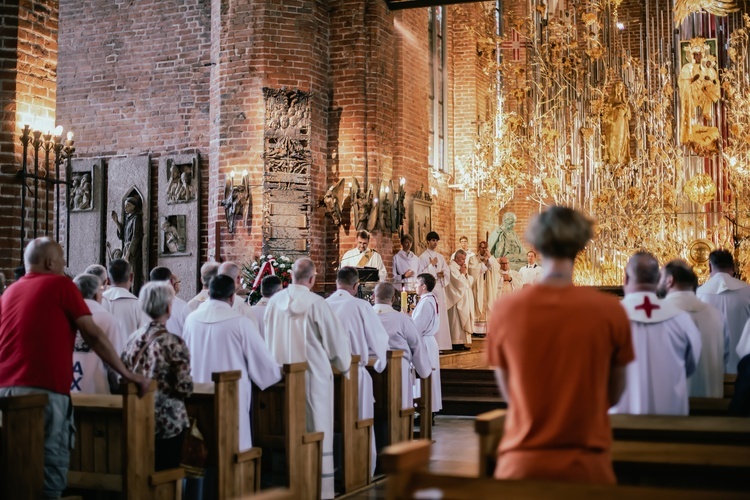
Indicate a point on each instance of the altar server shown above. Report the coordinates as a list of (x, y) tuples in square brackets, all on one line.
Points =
[(269, 286), (122, 304), (405, 264), (532, 272), (427, 319), (221, 339), (730, 296), (667, 345), (180, 309), (367, 335), (402, 336), (301, 327), (362, 256), (434, 263), (208, 271), (678, 283), (460, 302)]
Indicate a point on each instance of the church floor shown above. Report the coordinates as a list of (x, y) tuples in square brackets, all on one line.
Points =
[(454, 450)]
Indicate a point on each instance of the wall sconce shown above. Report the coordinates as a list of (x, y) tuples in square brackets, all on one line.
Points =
[(236, 199), (63, 151)]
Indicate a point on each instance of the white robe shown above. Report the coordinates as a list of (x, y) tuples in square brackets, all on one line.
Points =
[(732, 298), (243, 308), (258, 310), (301, 327), (89, 371), (403, 262), (123, 305), (427, 321), (403, 336), (199, 299), (531, 274), (220, 339), (443, 336), (459, 300), (708, 379), (353, 256), (486, 277), (176, 322), (508, 287), (667, 347), (368, 339), (743, 346)]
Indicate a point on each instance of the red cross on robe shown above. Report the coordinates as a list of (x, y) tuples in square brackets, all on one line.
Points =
[(647, 306)]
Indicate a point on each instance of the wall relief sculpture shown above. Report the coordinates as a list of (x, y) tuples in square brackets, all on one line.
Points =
[(174, 237), (129, 226), (80, 192), (180, 188), (287, 131), (236, 202)]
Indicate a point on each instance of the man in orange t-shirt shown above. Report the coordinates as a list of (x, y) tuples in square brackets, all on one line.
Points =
[(559, 354)]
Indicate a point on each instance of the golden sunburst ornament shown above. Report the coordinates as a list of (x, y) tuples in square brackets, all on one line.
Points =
[(700, 189)]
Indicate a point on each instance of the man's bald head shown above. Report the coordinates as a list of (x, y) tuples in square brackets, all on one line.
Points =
[(44, 256), (208, 271), (384, 293), (303, 272), (233, 270), (642, 272)]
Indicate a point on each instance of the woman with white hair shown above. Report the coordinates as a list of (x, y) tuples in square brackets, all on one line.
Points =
[(154, 352)]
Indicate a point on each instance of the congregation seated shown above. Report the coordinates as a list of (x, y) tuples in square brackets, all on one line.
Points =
[(208, 271), (160, 355), (90, 374)]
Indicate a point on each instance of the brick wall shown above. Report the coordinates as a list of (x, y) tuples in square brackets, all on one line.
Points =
[(28, 63)]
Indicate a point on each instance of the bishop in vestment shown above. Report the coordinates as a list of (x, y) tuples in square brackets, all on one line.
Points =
[(460, 302), (220, 339), (301, 327), (485, 270), (434, 263)]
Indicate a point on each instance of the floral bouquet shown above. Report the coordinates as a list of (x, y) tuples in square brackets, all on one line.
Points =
[(253, 273)]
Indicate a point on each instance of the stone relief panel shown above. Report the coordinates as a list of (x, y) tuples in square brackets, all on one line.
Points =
[(287, 161), (87, 220), (81, 193), (178, 235)]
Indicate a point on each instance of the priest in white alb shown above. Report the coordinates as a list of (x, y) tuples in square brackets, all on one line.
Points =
[(509, 280), (485, 270), (730, 296), (402, 336), (221, 339), (208, 271), (269, 286), (180, 310), (122, 304), (459, 300), (363, 256), (234, 271), (677, 285), (531, 273), (368, 339), (301, 327), (405, 265), (433, 263), (667, 345), (427, 320)]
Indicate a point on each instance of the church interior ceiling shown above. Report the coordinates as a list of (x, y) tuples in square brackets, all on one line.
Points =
[(635, 112)]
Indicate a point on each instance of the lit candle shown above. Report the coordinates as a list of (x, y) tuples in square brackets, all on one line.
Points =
[(70, 136), (404, 302)]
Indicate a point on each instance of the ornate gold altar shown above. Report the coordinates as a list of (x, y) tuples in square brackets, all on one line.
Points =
[(647, 133)]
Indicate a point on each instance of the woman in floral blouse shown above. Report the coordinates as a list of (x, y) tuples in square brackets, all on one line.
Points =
[(154, 352)]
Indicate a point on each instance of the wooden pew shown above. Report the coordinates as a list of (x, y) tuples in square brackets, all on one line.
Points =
[(215, 406), (22, 446), (115, 446), (355, 433), (279, 425), (406, 465), (424, 407), (709, 407), (657, 461), (667, 429), (393, 423)]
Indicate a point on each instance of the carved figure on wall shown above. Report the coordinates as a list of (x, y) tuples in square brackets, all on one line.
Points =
[(236, 202), (173, 229), (130, 233), (399, 207), (699, 90), (386, 217), (287, 131), (358, 200), (333, 200), (80, 191), (504, 242), (616, 123), (180, 188)]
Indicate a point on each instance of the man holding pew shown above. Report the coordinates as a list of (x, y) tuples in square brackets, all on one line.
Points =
[(559, 354), (220, 338), (667, 345), (301, 327), (36, 349), (402, 336), (677, 286), (367, 336)]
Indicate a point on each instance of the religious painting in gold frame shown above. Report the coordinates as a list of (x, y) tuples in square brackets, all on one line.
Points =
[(684, 51)]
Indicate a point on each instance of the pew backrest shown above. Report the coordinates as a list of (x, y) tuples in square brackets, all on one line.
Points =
[(22, 446)]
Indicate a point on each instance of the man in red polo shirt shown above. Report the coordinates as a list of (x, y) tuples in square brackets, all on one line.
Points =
[(40, 315)]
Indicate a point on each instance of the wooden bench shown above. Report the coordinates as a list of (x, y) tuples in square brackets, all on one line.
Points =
[(424, 407), (279, 425), (355, 433), (667, 429), (658, 461), (215, 406), (393, 423), (709, 407), (115, 446), (406, 465), (22, 446)]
